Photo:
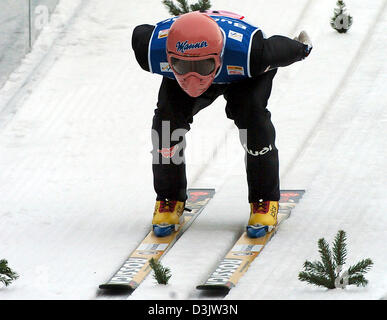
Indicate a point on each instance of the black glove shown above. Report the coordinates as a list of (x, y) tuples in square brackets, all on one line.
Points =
[(303, 37)]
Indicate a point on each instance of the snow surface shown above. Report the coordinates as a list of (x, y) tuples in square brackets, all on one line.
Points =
[(75, 165)]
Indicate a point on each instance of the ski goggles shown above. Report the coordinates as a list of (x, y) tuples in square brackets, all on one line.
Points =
[(204, 67)]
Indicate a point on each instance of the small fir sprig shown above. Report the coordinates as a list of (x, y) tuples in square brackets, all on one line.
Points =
[(161, 274), (183, 6), (328, 272), (7, 275), (341, 21), (202, 5), (356, 272)]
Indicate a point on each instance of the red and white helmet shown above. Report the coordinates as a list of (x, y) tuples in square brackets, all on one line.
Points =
[(194, 51)]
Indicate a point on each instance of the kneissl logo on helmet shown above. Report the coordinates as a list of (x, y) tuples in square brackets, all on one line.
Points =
[(184, 46)]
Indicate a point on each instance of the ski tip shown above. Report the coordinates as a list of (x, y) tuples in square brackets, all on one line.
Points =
[(214, 288), (115, 287)]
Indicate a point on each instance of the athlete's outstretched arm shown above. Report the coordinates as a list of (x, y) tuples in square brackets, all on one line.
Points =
[(276, 51)]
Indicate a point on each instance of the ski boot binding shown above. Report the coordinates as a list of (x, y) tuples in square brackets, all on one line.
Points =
[(263, 218), (167, 217)]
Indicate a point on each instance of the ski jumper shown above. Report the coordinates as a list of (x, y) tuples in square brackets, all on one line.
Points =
[(249, 64)]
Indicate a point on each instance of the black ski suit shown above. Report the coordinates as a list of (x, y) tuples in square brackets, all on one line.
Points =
[(246, 105)]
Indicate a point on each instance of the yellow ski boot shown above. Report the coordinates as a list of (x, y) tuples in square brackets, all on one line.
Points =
[(167, 217), (263, 218)]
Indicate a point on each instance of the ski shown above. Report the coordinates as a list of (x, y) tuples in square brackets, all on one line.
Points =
[(136, 267), (245, 250)]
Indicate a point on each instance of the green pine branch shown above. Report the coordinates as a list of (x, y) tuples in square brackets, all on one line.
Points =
[(7, 275), (172, 8), (326, 258), (361, 267), (202, 5), (161, 274), (176, 10), (358, 280), (315, 279), (183, 6), (341, 4), (315, 267), (339, 249), (328, 272)]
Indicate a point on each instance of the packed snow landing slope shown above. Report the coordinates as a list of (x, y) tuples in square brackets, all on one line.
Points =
[(76, 191), (75, 176), (300, 108), (343, 168)]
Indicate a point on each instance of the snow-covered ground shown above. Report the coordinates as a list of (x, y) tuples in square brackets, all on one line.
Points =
[(76, 192)]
